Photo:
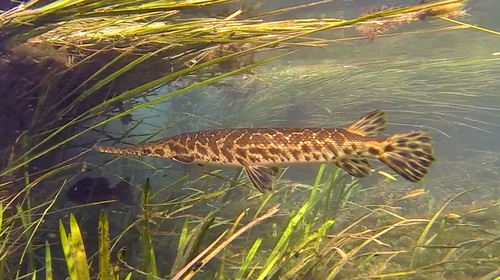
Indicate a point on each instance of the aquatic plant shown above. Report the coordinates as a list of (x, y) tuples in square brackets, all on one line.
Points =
[(69, 68)]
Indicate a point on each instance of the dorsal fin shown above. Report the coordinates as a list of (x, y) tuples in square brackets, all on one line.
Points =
[(369, 125)]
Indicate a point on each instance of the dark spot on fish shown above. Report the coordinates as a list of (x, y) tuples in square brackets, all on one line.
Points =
[(405, 154), (201, 149), (316, 156), (183, 139), (201, 138), (368, 130), (160, 152), (425, 163), (296, 154), (243, 139), (388, 148), (322, 135), (347, 151), (146, 151), (332, 148), (402, 142), (413, 145), (228, 155), (418, 153), (414, 134), (348, 167), (274, 151), (399, 163), (191, 142), (279, 138), (179, 149), (256, 151), (373, 151), (228, 144), (212, 144), (241, 152), (307, 158), (414, 164), (427, 149), (424, 139), (325, 156), (258, 138), (171, 146), (305, 148), (378, 121)]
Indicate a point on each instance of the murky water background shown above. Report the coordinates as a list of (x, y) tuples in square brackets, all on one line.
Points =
[(443, 81), (426, 77)]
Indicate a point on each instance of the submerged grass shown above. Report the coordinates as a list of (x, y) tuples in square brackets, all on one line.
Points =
[(105, 58)]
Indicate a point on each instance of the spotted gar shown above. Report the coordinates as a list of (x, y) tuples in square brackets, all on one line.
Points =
[(260, 150)]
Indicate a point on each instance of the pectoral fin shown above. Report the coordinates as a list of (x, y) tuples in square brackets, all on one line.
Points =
[(355, 167), (261, 177)]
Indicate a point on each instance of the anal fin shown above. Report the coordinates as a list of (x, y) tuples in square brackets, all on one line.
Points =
[(359, 168), (261, 177)]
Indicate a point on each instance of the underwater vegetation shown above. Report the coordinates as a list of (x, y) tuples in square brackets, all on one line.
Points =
[(77, 75)]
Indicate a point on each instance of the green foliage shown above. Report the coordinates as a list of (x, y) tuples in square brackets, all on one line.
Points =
[(106, 270), (147, 241), (74, 251), (48, 262), (332, 229)]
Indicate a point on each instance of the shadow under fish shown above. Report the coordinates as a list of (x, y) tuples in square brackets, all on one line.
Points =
[(92, 190)]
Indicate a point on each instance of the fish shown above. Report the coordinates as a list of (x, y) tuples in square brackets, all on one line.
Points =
[(260, 151), (91, 190)]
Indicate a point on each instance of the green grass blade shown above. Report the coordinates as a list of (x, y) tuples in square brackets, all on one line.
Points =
[(105, 271), (48, 262), (183, 237), (94, 110), (421, 240), (285, 237), (78, 250), (198, 238), (248, 258), (67, 248), (147, 240), (1, 218)]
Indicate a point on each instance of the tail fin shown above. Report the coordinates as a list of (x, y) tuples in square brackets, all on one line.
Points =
[(370, 125), (409, 154)]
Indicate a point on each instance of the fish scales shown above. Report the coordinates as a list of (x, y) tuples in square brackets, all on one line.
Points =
[(260, 150), (263, 146)]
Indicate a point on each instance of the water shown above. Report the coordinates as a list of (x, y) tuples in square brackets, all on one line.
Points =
[(441, 81), (423, 75)]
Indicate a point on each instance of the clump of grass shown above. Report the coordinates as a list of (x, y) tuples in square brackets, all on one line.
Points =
[(87, 60)]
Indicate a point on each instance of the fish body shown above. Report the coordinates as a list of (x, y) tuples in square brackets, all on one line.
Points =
[(91, 190), (260, 150)]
